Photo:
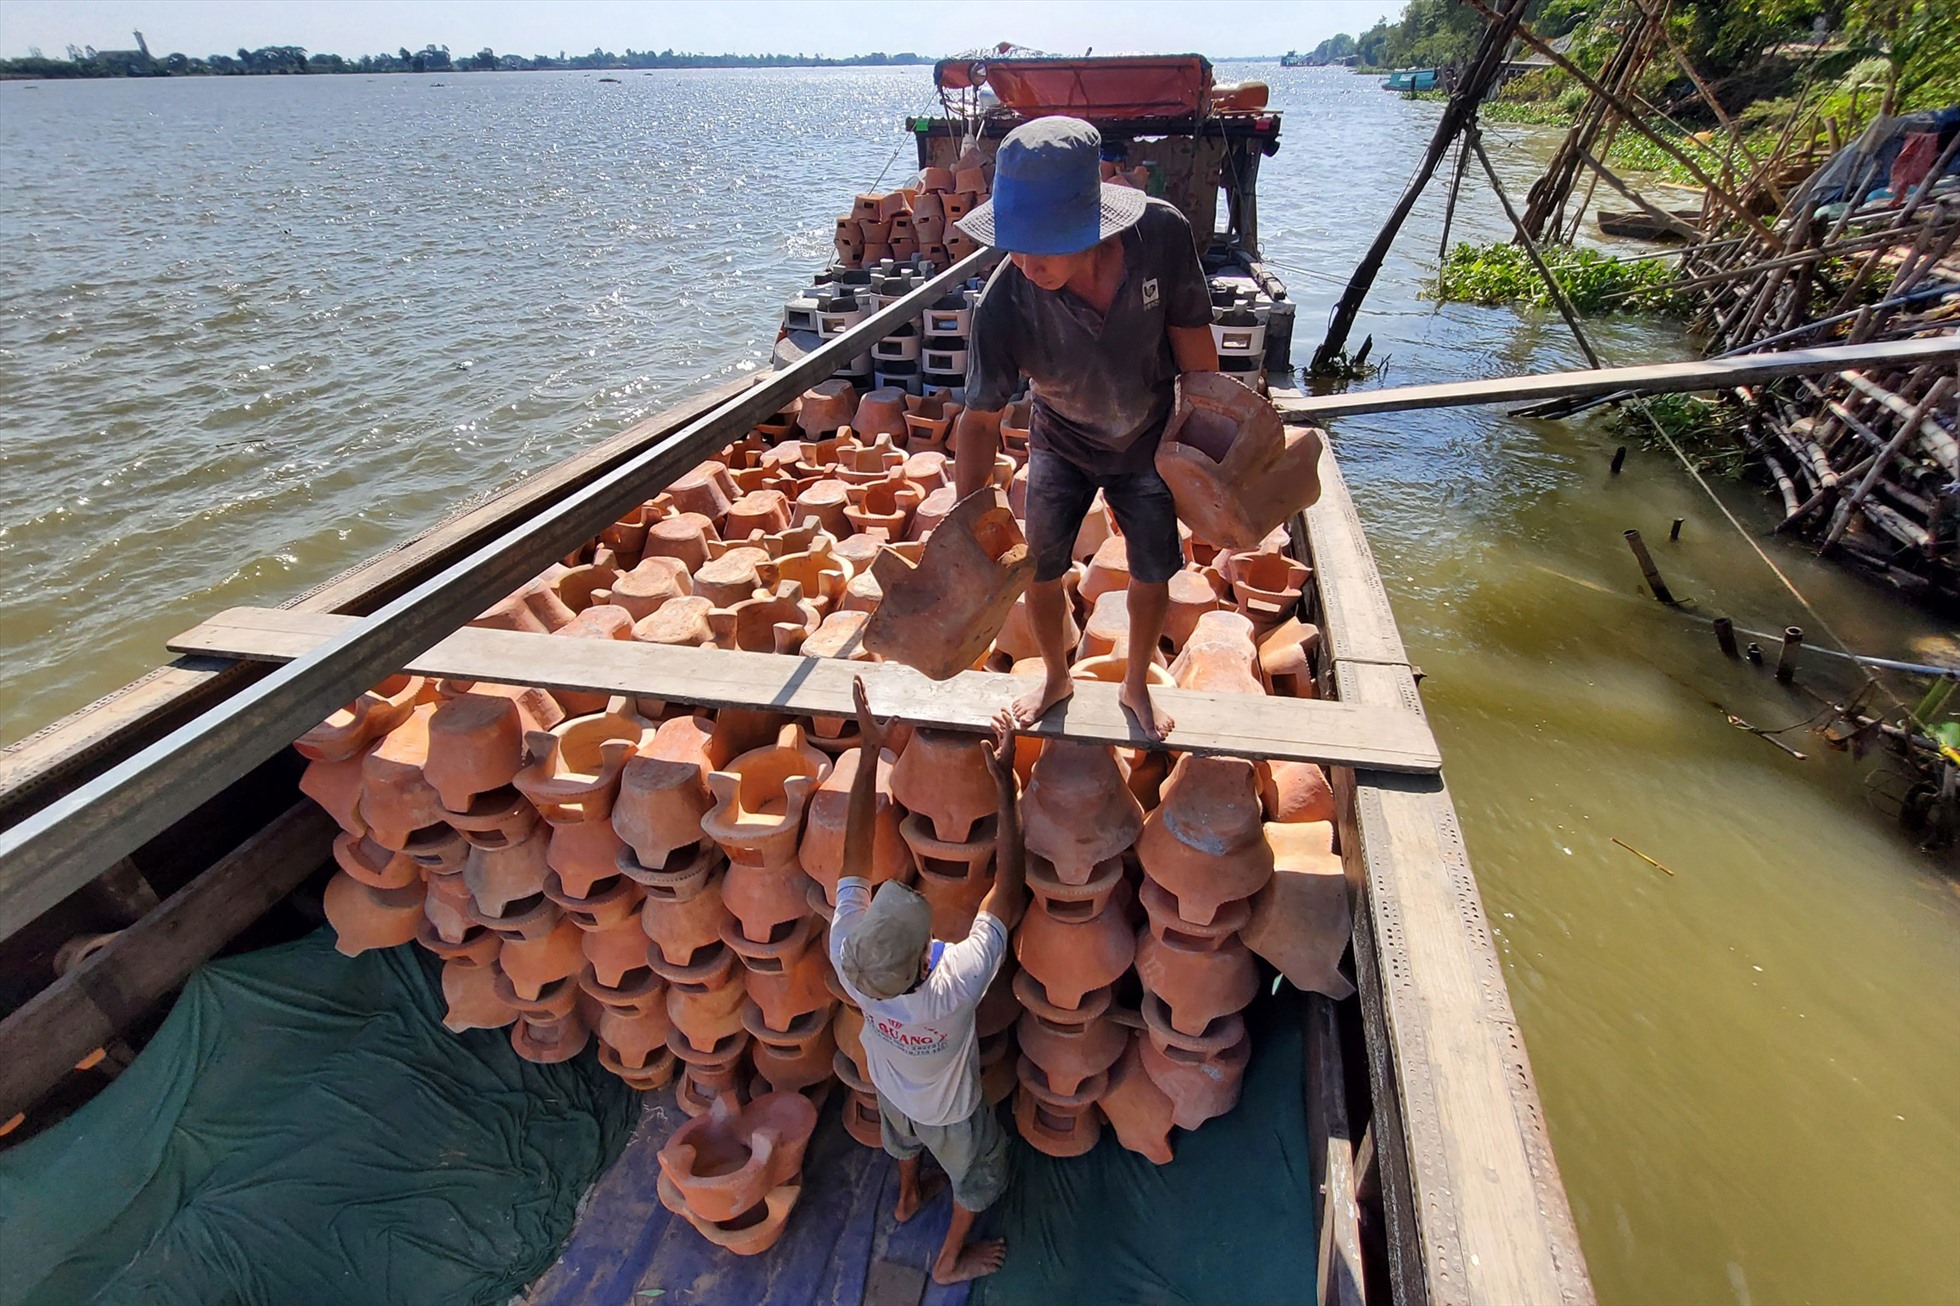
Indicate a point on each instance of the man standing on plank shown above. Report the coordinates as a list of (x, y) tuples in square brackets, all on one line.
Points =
[(1101, 304), (919, 997)]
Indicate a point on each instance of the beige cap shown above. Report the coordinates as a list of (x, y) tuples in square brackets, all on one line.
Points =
[(881, 957)]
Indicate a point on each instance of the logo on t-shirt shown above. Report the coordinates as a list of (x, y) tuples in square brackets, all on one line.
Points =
[(919, 1040), (1150, 293)]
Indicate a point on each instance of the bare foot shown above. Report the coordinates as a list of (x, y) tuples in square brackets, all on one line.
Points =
[(911, 1202), (1136, 701), (1028, 708), (975, 1260)]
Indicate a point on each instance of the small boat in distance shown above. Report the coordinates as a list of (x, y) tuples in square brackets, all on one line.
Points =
[(1411, 79), (1294, 59)]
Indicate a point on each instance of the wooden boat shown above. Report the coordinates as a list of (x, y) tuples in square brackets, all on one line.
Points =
[(1639, 224), (1411, 79), (168, 812)]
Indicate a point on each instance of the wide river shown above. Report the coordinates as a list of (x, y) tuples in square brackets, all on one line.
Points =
[(253, 330)]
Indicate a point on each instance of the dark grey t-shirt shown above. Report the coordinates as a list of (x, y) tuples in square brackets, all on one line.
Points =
[(1102, 383)]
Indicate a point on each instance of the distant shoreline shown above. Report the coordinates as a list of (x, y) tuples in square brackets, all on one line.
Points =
[(294, 61)]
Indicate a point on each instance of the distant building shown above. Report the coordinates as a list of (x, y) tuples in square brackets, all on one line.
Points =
[(126, 62)]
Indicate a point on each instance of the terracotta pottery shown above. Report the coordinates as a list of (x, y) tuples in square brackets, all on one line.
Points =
[(766, 623), (734, 731), (759, 512), (997, 1061), (373, 865), (1204, 842), (847, 1030), (627, 536), (644, 589), (759, 800), (683, 914), (499, 877), (352, 728), (476, 744), (635, 1039), (1286, 655), (1110, 669), (940, 615), (1199, 972), (532, 964), (576, 587), (929, 470), (1107, 632), (734, 576), (706, 1076), (1235, 472), (823, 502), (861, 1117), (942, 775), (395, 799), (928, 420), (1076, 811), (1300, 920), (364, 917), (659, 807), (573, 774), (496, 819), (952, 877), (797, 1060), (707, 1011), (818, 575), (1191, 598), (1109, 570), (884, 505), (1295, 791), (750, 1234), (822, 849), (336, 787), (765, 899), (1140, 1112), (880, 412), (932, 510), (583, 856), (1220, 657), (1050, 1122), (615, 951), (827, 406), (1075, 939), (1201, 1077), (681, 622), (605, 903), (471, 995), (657, 1073), (683, 537), (723, 1163), (705, 490), (788, 985), (1016, 635), (1098, 525), (446, 909), (1071, 1055), (1015, 421), (550, 1041)]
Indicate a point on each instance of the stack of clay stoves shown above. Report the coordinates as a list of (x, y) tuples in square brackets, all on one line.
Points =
[(736, 1172), (659, 879)]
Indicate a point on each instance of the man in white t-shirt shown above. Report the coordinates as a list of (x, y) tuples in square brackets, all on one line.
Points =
[(919, 997)]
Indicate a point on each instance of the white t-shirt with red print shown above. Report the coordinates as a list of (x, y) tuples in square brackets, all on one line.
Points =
[(922, 1047)]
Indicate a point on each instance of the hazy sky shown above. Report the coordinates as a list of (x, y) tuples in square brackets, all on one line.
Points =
[(836, 27)]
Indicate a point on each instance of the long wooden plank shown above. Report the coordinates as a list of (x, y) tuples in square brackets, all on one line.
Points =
[(49, 853), (43, 1039), (1232, 724), (36, 769), (1341, 1281), (1657, 378)]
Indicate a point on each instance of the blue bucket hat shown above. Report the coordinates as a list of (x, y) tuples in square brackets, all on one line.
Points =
[(1049, 195)]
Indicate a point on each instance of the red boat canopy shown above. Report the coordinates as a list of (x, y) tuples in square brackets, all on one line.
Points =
[(1122, 87)]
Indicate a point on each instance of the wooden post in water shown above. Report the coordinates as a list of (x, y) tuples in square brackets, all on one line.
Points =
[(1619, 459), (1647, 567), (1674, 531), (1725, 636), (1786, 661)]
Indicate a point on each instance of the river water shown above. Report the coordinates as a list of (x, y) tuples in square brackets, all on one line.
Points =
[(253, 330)]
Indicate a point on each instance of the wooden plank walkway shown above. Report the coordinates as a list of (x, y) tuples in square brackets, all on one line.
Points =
[(1238, 725)]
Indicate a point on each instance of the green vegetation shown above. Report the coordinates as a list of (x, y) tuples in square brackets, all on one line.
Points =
[(1594, 282), (292, 59), (1708, 431)]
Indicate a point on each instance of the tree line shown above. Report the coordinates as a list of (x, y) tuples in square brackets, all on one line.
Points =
[(87, 61)]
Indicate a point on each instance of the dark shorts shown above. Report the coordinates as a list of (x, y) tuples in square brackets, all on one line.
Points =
[(1059, 495), (972, 1152)]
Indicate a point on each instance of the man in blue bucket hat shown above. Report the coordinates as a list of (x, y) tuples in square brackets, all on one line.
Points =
[(1101, 304)]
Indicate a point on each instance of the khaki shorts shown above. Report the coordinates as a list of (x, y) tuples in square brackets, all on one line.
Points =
[(972, 1152)]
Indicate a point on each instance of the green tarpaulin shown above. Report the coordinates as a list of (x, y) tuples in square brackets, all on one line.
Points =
[(303, 1129)]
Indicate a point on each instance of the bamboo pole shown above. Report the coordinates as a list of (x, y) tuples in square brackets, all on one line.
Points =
[(1565, 308)]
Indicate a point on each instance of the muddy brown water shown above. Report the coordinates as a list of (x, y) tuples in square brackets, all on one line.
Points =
[(253, 330)]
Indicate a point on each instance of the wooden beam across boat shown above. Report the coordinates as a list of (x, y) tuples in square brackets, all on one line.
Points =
[(56, 849), (1237, 725), (1654, 378)]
